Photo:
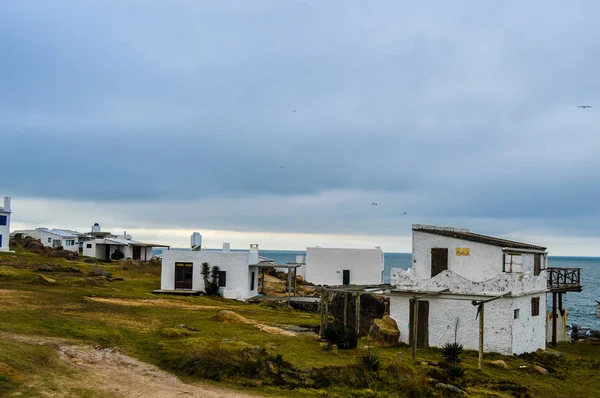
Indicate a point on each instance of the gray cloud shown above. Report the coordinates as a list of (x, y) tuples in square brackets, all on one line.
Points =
[(453, 111)]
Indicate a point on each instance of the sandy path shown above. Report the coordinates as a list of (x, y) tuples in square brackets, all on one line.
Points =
[(113, 374)]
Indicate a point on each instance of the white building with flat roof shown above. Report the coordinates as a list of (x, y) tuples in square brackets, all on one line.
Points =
[(327, 266), (5, 213)]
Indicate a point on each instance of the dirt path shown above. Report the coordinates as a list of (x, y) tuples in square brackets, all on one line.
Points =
[(114, 374)]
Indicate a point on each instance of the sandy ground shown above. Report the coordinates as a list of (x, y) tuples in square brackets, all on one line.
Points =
[(111, 373)]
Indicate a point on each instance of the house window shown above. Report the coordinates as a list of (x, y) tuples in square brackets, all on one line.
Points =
[(222, 278), (70, 242), (252, 281), (535, 306), (516, 314), (3, 220), (512, 262), (49, 240), (537, 264), (89, 245)]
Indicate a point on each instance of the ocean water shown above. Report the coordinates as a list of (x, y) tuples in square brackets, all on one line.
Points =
[(580, 306)]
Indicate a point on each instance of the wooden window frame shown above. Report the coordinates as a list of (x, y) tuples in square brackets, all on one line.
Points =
[(535, 306), (222, 282)]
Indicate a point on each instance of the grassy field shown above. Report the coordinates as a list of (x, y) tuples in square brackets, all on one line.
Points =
[(92, 310)]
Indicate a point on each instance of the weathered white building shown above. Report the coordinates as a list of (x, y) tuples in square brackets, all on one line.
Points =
[(104, 248), (5, 213), (326, 266), (68, 240), (454, 267), (238, 277)]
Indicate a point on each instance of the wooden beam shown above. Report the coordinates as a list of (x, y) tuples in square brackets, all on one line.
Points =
[(481, 328), (554, 318), (345, 309), (415, 322), (323, 293), (289, 287), (358, 313)]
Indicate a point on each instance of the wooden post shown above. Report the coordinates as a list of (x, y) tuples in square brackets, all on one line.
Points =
[(415, 310), (295, 280), (560, 307), (289, 287), (358, 313), (322, 312), (554, 318), (345, 309), (326, 308), (481, 324)]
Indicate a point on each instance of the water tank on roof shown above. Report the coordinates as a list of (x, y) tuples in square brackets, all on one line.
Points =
[(196, 240), (96, 227)]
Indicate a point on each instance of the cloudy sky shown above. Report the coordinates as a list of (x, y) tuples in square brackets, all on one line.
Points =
[(280, 122)]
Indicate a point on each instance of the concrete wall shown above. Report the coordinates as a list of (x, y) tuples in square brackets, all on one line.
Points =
[(484, 261), (5, 232), (324, 266), (236, 264), (502, 335), (48, 239)]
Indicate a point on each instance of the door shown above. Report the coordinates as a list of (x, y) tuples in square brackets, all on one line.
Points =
[(0, 240), (107, 252), (137, 253), (346, 277), (537, 264), (439, 261), (422, 324), (183, 275), (252, 281)]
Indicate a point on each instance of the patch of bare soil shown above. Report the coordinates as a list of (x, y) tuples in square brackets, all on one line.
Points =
[(112, 373), (152, 303)]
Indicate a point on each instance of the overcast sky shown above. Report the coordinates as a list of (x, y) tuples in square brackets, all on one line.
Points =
[(280, 122)]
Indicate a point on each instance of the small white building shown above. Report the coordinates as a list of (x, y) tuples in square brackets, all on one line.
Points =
[(104, 248), (5, 213), (326, 266), (454, 267), (68, 240), (238, 277)]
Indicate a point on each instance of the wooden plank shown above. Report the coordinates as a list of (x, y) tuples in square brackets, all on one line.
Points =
[(357, 313), (345, 309), (554, 318), (481, 328), (413, 325)]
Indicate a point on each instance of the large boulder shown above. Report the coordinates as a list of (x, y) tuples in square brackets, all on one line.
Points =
[(384, 332), (233, 317)]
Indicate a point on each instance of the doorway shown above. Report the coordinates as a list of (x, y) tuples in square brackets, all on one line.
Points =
[(183, 275), (439, 261), (422, 323), (346, 277), (137, 253)]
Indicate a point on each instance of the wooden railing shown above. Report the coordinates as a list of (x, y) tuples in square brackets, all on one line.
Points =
[(564, 279)]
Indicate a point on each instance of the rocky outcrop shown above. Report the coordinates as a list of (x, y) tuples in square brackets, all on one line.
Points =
[(233, 317), (384, 332)]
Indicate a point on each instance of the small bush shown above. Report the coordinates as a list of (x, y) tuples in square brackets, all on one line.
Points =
[(344, 338), (455, 371), (451, 352), (117, 255), (370, 362)]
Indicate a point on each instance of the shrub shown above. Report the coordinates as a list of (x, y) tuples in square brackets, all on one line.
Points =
[(455, 371), (370, 362), (117, 255), (344, 338), (451, 352), (175, 332)]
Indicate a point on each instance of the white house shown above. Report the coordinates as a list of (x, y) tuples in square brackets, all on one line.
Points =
[(452, 268), (325, 266), (69, 240), (104, 248), (238, 277), (5, 225)]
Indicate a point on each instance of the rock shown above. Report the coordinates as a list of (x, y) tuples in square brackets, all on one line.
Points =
[(499, 363), (270, 346), (540, 370), (45, 280), (299, 278), (384, 332), (91, 260), (232, 317), (449, 387), (186, 327), (46, 268), (98, 271), (556, 354), (306, 291), (276, 331)]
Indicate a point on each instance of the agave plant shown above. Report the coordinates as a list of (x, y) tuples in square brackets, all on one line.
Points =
[(455, 371), (451, 352), (370, 362)]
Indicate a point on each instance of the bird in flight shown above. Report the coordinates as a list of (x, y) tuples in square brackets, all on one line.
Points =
[(584, 106), (374, 204), (404, 213), (293, 110)]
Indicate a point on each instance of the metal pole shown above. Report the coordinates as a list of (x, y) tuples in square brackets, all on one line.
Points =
[(481, 336), (554, 318), (415, 310)]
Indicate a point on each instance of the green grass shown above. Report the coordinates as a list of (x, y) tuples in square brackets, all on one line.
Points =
[(67, 310)]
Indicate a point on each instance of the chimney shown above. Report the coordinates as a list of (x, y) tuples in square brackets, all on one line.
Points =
[(254, 248), (253, 256), (7, 203), (226, 247)]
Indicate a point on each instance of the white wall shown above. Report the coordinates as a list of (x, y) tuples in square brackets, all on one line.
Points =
[(324, 266), (5, 232), (43, 236), (236, 264), (484, 261), (501, 334)]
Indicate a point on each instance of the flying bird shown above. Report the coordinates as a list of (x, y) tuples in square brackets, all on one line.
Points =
[(374, 204), (404, 213), (584, 106), (293, 110)]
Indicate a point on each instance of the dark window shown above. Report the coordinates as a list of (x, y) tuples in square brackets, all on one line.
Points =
[(222, 278), (89, 245), (3, 220), (49, 240), (537, 264), (252, 281), (439, 261), (535, 306), (346, 277), (516, 314)]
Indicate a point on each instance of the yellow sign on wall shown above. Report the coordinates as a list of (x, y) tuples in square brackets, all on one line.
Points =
[(462, 251)]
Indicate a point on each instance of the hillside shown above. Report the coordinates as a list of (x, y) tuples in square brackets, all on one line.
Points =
[(75, 328)]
